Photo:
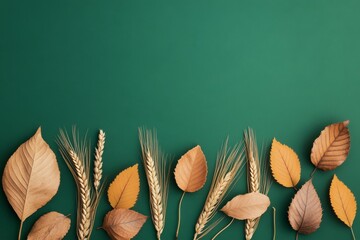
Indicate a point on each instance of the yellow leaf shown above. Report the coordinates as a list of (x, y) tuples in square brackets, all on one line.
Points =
[(124, 190), (191, 170), (285, 164), (332, 147), (342, 201)]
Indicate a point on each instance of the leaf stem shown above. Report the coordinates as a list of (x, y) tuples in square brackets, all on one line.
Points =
[(179, 215), (224, 228), (352, 232), (297, 236), (21, 225), (313, 172), (274, 220)]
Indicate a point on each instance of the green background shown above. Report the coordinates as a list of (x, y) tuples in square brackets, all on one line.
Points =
[(195, 70)]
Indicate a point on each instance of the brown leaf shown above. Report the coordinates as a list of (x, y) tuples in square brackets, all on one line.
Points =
[(191, 170), (124, 190), (31, 176), (247, 206), (285, 164), (51, 226), (305, 212), (123, 223), (332, 147)]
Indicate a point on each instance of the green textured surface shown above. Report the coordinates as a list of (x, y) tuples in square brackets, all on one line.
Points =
[(195, 70)]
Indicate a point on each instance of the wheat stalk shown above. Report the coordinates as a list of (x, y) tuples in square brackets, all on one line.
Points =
[(84, 225), (77, 157), (155, 195), (157, 174), (227, 169), (253, 179), (211, 204), (258, 178), (99, 150)]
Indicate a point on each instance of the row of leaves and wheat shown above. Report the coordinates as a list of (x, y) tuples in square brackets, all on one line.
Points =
[(31, 178)]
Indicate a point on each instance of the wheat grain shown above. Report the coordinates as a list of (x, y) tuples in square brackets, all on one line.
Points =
[(98, 163)]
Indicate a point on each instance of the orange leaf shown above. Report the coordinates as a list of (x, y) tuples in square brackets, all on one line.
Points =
[(247, 206), (332, 147), (123, 223), (191, 170), (124, 190), (305, 212), (285, 164), (342, 201), (52, 225)]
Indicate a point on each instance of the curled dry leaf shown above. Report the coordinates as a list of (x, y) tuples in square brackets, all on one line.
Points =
[(124, 190), (247, 206), (342, 201), (305, 212), (332, 147), (191, 170), (31, 176), (123, 223), (51, 226), (285, 164)]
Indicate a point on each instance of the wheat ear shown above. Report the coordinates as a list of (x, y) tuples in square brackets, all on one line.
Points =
[(155, 195), (257, 177), (98, 163), (77, 157), (211, 203), (84, 224), (227, 169), (157, 174), (253, 178)]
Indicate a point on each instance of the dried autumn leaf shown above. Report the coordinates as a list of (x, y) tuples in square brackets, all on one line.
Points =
[(51, 226), (124, 190), (285, 164), (190, 174), (305, 212), (191, 170), (123, 223), (332, 147), (247, 206), (31, 176), (342, 201)]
